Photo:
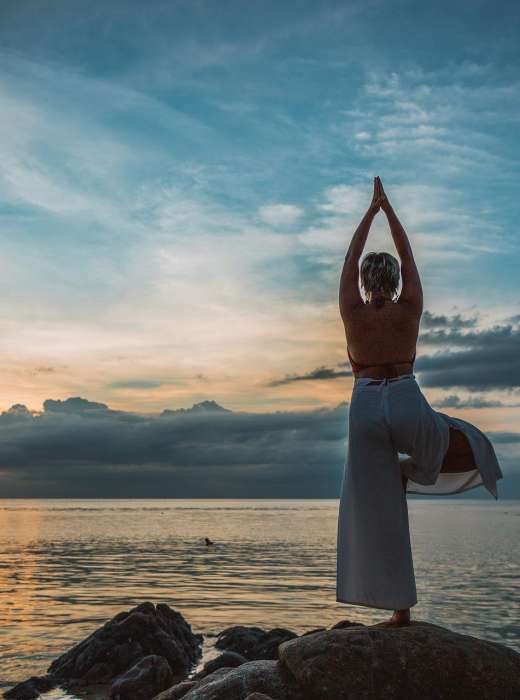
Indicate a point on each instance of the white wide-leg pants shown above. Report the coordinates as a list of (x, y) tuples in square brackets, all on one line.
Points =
[(394, 431)]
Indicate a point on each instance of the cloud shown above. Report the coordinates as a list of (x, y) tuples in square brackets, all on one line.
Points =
[(505, 438), (345, 199), (280, 214), (488, 359), (454, 401), (456, 321), (73, 404), (137, 384), (206, 451), (210, 239), (85, 449), (318, 374), (423, 115)]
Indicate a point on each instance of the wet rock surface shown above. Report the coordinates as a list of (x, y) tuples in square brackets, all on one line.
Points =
[(262, 676), (417, 661), (229, 659), (146, 630), (146, 678), (253, 642), (125, 639), (147, 653), (31, 688)]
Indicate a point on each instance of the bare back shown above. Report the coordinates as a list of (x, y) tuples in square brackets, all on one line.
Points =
[(379, 336)]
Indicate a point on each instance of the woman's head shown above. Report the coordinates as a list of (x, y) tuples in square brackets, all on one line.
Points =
[(380, 273)]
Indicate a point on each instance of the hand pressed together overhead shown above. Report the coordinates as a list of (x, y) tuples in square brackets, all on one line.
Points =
[(379, 198)]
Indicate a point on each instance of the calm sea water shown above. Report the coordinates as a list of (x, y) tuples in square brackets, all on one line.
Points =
[(66, 566)]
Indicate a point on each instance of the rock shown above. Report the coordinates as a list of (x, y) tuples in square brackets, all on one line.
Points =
[(253, 643), (239, 639), (343, 624), (229, 659), (176, 692), (31, 688), (149, 676), (153, 649), (125, 639), (181, 689), (267, 646), (261, 676), (318, 629), (417, 661)]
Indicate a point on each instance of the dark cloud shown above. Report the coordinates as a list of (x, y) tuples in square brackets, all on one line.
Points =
[(429, 320), (487, 359), (502, 336), (320, 373), (16, 413), (74, 404), (475, 360), (84, 449), (505, 438), (202, 407), (454, 401), (87, 450)]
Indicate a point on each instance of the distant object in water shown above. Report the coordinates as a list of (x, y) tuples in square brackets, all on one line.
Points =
[(208, 541)]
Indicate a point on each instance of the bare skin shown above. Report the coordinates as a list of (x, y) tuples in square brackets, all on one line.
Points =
[(389, 334)]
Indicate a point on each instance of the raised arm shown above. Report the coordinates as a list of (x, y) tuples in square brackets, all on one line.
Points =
[(411, 292), (349, 295)]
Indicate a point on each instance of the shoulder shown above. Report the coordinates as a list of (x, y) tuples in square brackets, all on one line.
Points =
[(412, 305), (352, 309)]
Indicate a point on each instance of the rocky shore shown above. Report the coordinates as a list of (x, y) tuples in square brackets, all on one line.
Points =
[(150, 651)]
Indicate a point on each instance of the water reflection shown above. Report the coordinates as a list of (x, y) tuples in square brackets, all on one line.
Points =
[(67, 566)]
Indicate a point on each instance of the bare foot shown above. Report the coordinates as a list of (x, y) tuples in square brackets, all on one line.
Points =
[(400, 617)]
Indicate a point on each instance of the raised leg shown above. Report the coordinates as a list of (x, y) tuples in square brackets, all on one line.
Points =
[(459, 456)]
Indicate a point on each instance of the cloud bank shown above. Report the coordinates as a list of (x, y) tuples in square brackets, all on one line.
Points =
[(80, 448)]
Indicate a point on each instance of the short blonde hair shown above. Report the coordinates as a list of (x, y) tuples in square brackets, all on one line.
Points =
[(380, 272)]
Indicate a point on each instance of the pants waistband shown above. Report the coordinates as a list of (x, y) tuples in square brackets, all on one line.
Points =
[(364, 381)]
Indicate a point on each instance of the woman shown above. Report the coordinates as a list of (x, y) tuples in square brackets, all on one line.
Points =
[(396, 443)]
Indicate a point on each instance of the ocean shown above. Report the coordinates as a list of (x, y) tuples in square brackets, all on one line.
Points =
[(67, 566)]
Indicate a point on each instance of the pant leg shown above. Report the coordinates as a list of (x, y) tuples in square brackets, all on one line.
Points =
[(374, 558), (417, 430)]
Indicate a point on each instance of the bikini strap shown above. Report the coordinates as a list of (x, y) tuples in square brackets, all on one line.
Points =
[(358, 365)]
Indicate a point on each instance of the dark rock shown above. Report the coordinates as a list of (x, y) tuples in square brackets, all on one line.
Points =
[(181, 689), (417, 661), (176, 692), (229, 659), (125, 639), (318, 629), (253, 643), (267, 646), (259, 696), (149, 676), (261, 676), (30, 688), (343, 624), (239, 639)]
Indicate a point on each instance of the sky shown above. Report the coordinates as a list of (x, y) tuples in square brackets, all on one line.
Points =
[(179, 184)]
